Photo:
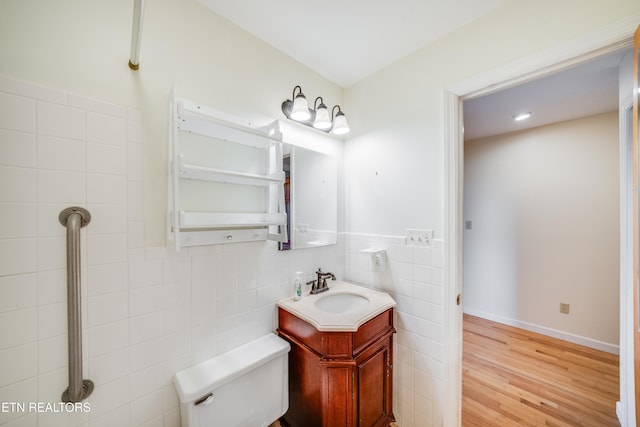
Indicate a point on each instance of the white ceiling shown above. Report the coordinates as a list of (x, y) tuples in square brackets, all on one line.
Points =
[(583, 90), (345, 41)]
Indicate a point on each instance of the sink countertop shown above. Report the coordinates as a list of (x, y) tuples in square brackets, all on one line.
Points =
[(325, 321)]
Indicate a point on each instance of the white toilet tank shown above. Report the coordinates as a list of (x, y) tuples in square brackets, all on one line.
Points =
[(245, 387)]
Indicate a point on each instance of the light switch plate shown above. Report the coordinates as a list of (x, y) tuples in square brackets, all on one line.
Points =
[(422, 238)]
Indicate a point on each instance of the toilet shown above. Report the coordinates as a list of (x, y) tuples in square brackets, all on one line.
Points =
[(245, 387)]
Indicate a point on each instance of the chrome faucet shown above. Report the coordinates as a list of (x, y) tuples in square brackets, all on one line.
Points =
[(320, 285)]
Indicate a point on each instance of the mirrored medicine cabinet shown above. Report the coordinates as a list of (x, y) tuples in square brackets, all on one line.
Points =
[(311, 197)]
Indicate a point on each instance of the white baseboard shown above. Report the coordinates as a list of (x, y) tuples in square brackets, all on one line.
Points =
[(573, 338), (619, 412)]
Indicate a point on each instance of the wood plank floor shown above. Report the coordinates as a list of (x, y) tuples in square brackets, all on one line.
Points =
[(512, 377)]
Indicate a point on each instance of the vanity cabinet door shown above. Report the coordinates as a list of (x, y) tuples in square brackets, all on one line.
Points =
[(374, 377), (338, 399)]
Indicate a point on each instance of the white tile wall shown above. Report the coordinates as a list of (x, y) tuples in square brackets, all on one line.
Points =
[(107, 129), (17, 113), (18, 291), (17, 148), (61, 120), (414, 278), (25, 192), (148, 311), (61, 154)]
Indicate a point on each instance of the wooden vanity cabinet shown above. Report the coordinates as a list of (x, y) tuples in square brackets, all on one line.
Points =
[(339, 379)]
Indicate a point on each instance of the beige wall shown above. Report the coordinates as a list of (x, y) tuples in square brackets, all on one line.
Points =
[(395, 152), (544, 205)]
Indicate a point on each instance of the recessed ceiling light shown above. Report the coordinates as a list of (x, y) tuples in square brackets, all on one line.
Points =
[(521, 116)]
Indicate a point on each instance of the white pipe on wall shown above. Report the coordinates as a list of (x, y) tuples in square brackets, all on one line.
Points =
[(138, 13)]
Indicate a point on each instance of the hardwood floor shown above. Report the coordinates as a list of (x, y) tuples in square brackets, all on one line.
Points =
[(512, 377)]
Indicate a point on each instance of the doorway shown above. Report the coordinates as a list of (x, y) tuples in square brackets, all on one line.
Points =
[(534, 191), (543, 194), (606, 41)]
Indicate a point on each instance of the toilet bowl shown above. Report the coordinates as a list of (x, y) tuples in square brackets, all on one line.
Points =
[(245, 387)]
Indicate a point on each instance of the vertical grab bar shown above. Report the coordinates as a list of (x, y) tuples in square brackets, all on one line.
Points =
[(73, 219)]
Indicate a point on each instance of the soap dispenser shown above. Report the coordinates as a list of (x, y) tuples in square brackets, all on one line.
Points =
[(297, 286)]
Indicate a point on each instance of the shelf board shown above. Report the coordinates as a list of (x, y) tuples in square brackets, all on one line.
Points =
[(210, 237), (208, 220), (203, 173), (203, 121)]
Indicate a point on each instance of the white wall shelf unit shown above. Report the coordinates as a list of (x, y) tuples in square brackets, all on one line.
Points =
[(226, 181)]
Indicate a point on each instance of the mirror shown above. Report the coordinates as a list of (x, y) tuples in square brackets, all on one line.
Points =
[(311, 198)]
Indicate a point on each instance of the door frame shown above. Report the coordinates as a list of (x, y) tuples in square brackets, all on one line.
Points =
[(559, 57), (626, 413)]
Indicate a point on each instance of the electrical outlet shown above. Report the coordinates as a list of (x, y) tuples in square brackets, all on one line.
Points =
[(564, 308), (378, 259), (422, 238)]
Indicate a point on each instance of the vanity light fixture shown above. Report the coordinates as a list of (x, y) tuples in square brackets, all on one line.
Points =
[(521, 116), (322, 120), (300, 109), (318, 116)]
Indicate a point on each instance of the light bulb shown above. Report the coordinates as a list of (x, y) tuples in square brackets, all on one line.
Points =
[(340, 126), (300, 111), (322, 120)]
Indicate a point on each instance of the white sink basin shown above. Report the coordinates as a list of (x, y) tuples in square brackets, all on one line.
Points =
[(343, 308), (342, 302)]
